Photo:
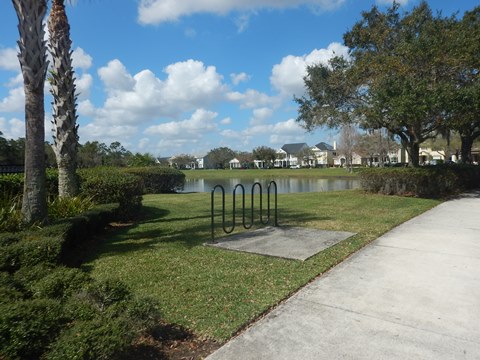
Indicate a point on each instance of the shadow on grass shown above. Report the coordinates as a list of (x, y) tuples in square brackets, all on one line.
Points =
[(185, 232)]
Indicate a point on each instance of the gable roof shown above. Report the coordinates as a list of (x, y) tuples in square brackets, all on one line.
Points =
[(294, 148), (324, 146)]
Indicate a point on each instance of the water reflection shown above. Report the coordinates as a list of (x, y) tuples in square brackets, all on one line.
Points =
[(285, 185)]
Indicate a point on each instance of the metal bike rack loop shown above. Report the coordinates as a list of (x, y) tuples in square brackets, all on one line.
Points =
[(246, 225)]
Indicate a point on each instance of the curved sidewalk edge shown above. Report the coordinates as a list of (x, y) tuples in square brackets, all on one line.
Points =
[(414, 293)]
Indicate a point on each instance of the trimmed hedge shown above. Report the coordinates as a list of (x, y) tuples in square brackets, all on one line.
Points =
[(158, 180), (11, 185), (51, 311), (428, 182)]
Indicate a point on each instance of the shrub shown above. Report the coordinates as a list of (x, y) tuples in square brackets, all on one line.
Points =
[(158, 179), (8, 289), (432, 181), (28, 327), (96, 339), (30, 252), (60, 283), (10, 214), (11, 185), (65, 207), (111, 185)]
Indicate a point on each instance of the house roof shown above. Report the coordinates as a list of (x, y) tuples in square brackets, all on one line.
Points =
[(294, 148), (324, 146)]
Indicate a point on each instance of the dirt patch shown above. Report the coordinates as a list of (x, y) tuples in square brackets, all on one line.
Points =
[(171, 342)]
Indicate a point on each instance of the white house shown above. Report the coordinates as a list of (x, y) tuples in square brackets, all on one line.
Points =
[(235, 164)]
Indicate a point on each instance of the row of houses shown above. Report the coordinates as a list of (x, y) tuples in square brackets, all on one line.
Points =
[(326, 155)]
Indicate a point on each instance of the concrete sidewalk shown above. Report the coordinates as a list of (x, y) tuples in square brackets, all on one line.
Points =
[(414, 293)]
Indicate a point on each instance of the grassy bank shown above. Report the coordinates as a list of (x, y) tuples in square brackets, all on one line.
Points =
[(215, 292), (269, 173)]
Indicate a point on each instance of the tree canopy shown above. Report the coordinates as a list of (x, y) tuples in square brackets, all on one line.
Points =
[(402, 75)]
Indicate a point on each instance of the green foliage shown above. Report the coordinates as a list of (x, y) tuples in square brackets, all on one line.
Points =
[(138, 160), (59, 284), (111, 185), (39, 249), (64, 207), (158, 179), (429, 182), (218, 158), (27, 327), (100, 338), (9, 291), (10, 213)]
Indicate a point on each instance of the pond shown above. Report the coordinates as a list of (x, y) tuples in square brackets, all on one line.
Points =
[(285, 185)]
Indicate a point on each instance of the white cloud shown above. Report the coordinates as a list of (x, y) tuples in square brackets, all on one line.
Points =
[(16, 81), (287, 77), (115, 77), (226, 121), (252, 99), (158, 11), (84, 83), (201, 121), (81, 60), (260, 115), (239, 78), (14, 102), (144, 97), (13, 128), (106, 133), (9, 60)]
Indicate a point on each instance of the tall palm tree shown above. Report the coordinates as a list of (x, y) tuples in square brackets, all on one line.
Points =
[(64, 100), (33, 63)]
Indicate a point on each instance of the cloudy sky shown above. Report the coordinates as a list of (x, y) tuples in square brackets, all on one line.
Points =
[(185, 76)]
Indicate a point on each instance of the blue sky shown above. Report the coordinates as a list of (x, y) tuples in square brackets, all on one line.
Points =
[(185, 76)]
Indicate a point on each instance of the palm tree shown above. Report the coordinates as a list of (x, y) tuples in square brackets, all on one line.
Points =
[(64, 100), (33, 63)]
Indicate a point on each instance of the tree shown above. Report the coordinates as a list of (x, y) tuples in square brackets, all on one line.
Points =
[(33, 63), (465, 61), (399, 62), (91, 154), (184, 161), (218, 158), (265, 154), (376, 144), (139, 159), (62, 83), (116, 155), (245, 158), (348, 143), (306, 155), (397, 78)]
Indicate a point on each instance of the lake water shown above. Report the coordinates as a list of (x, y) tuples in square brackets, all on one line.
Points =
[(285, 185)]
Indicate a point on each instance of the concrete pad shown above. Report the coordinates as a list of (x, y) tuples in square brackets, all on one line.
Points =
[(285, 242)]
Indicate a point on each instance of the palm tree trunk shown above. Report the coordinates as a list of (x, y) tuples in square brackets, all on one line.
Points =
[(33, 62), (64, 100)]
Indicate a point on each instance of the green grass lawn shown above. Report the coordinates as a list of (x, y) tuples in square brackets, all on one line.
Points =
[(269, 173), (214, 292)]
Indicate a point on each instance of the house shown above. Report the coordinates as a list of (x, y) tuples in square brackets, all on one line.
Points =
[(235, 164), (288, 155), (324, 154)]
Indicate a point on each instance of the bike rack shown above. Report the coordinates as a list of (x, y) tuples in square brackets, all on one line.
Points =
[(244, 223)]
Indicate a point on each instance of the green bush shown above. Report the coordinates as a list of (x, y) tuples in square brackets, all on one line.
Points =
[(158, 179), (30, 252), (429, 182), (60, 283), (11, 185), (28, 327), (96, 339), (111, 185), (8, 289), (65, 207)]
